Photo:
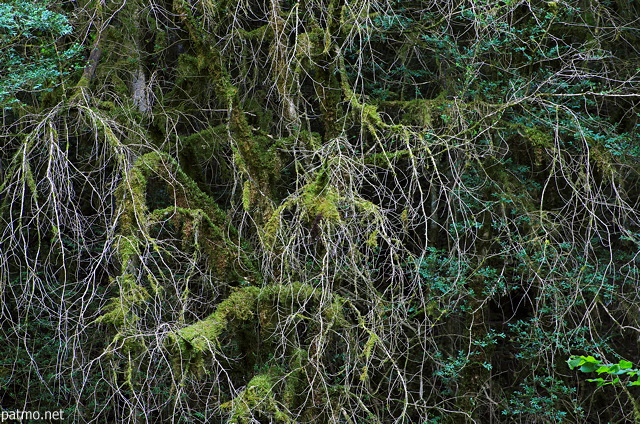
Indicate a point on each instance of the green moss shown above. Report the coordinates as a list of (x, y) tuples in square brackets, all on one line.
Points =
[(295, 382), (258, 398), (261, 34), (310, 140), (203, 148), (187, 193), (119, 310), (539, 137), (324, 205), (369, 345), (128, 248), (254, 154), (106, 105), (334, 312), (602, 159), (189, 67), (206, 140), (203, 335), (319, 199), (419, 112), (251, 303), (204, 227), (83, 82), (295, 292), (247, 195), (316, 202), (385, 159), (131, 198), (271, 228), (372, 240), (265, 117), (191, 344)]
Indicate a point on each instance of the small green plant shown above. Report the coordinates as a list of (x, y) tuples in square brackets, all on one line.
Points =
[(591, 364), (615, 372)]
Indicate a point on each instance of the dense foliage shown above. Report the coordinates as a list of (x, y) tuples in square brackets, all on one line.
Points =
[(30, 58), (332, 211)]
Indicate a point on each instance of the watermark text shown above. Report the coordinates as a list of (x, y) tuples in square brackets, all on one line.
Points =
[(12, 416)]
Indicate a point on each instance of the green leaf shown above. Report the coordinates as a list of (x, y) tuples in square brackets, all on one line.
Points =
[(591, 359), (615, 370), (619, 371), (625, 364), (589, 367), (575, 361)]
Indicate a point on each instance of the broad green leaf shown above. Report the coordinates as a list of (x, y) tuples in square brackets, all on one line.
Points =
[(591, 359), (614, 369), (589, 367), (574, 361), (625, 364)]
